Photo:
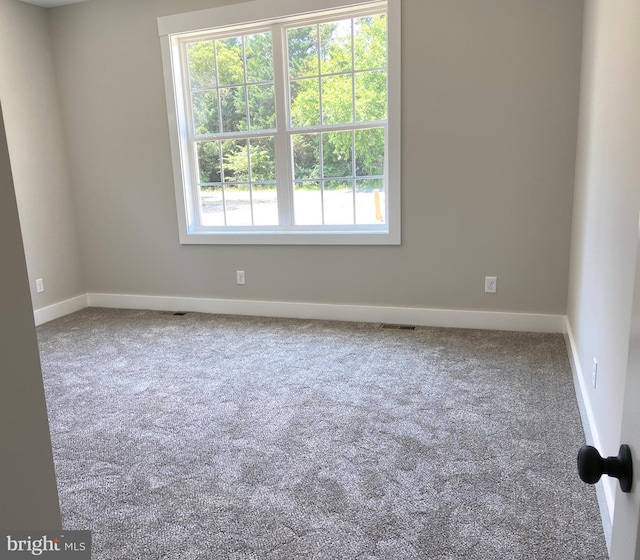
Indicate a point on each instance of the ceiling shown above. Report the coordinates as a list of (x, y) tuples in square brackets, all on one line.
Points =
[(52, 3)]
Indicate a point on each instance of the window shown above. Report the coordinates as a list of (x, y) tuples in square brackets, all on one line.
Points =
[(285, 129)]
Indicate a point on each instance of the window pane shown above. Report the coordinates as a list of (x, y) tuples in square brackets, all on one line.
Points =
[(305, 103), (205, 112), (302, 45), (370, 42), (262, 107), (212, 205), (370, 201), (337, 99), (202, 65), (336, 154), (371, 96), (259, 56), (234, 109), (263, 159), (230, 61), (209, 162), (369, 152), (338, 202), (265, 205), (236, 160), (335, 47), (307, 201), (306, 156), (238, 205)]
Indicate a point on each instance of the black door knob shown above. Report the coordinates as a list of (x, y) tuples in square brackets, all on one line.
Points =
[(591, 466)]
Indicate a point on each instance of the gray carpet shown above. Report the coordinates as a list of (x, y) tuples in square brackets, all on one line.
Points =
[(204, 437)]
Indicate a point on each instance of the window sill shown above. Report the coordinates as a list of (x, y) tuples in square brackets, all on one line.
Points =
[(290, 238)]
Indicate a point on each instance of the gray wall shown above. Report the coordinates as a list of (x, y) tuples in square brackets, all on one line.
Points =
[(490, 92), (28, 484), (38, 155), (607, 201)]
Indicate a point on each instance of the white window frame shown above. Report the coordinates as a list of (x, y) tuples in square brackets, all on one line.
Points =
[(253, 14)]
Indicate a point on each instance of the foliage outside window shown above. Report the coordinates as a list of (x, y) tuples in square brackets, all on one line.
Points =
[(283, 129)]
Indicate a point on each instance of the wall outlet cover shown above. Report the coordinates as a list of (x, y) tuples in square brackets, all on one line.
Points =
[(490, 284)]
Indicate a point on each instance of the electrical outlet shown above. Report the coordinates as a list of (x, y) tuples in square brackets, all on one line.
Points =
[(240, 278), (39, 285), (594, 373), (490, 284)]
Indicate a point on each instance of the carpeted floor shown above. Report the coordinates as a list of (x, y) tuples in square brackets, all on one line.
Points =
[(205, 437)]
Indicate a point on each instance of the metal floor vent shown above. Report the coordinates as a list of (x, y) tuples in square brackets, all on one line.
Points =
[(398, 327)]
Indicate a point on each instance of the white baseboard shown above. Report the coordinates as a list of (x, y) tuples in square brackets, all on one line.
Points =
[(604, 491), (57, 310), (364, 313)]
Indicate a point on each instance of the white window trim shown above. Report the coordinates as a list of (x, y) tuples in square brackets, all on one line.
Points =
[(252, 13)]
